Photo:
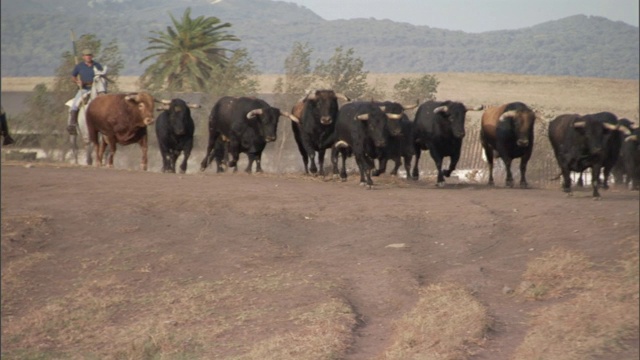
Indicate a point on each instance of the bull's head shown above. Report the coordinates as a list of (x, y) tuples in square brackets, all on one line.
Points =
[(376, 123), (393, 112), (454, 113), (268, 118), (178, 113), (323, 105), (522, 124), (144, 103)]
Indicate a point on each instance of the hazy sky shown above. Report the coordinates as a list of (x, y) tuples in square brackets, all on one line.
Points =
[(473, 15)]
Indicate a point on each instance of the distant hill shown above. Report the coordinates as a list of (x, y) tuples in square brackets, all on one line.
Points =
[(35, 33)]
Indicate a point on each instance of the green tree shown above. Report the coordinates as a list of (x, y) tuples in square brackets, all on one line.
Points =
[(236, 78), (187, 55), (343, 73), (297, 67), (298, 75), (424, 88)]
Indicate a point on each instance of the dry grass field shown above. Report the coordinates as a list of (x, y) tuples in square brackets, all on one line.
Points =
[(118, 263), (555, 94)]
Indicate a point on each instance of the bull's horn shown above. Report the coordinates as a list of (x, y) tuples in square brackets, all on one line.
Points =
[(443, 108), (132, 96), (394, 116), (610, 126), (290, 116), (475, 108), (511, 113), (165, 101), (625, 130), (383, 108), (194, 106), (163, 107), (253, 113), (578, 124), (631, 138), (310, 95), (341, 144), (410, 107), (342, 97), (362, 117)]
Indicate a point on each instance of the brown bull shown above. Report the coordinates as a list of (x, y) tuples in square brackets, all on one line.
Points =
[(507, 132), (121, 119)]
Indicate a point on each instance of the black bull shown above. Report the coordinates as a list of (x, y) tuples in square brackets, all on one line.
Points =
[(245, 125), (174, 130), (581, 142), (360, 131), (317, 111)]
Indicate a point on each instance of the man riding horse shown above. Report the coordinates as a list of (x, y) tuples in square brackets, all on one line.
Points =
[(83, 75)]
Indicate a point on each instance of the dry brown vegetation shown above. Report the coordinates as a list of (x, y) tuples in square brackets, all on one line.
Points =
[(597, 310)]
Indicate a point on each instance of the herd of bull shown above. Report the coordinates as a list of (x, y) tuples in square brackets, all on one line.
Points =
[(366, 130)]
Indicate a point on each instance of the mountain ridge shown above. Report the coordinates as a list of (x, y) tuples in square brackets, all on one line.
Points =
[(35, 35)]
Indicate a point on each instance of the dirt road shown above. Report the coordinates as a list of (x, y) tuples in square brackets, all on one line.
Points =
[(238, 224)]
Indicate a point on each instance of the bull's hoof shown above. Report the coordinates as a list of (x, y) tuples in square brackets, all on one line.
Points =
[(375, 173), (447, 173), (524, 185), (597, 198), (343, 179), (491, 183), (440, 184), (202, 169)]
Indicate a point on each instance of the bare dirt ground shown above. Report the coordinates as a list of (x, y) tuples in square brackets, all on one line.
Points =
[(172, 228)]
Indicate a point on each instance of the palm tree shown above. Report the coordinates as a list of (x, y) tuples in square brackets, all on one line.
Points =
[(186, 54)]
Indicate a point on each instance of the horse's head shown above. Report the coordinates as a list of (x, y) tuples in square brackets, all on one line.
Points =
[(99, 82)]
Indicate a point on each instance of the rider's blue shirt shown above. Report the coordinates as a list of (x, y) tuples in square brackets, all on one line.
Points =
[(86, 72)]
